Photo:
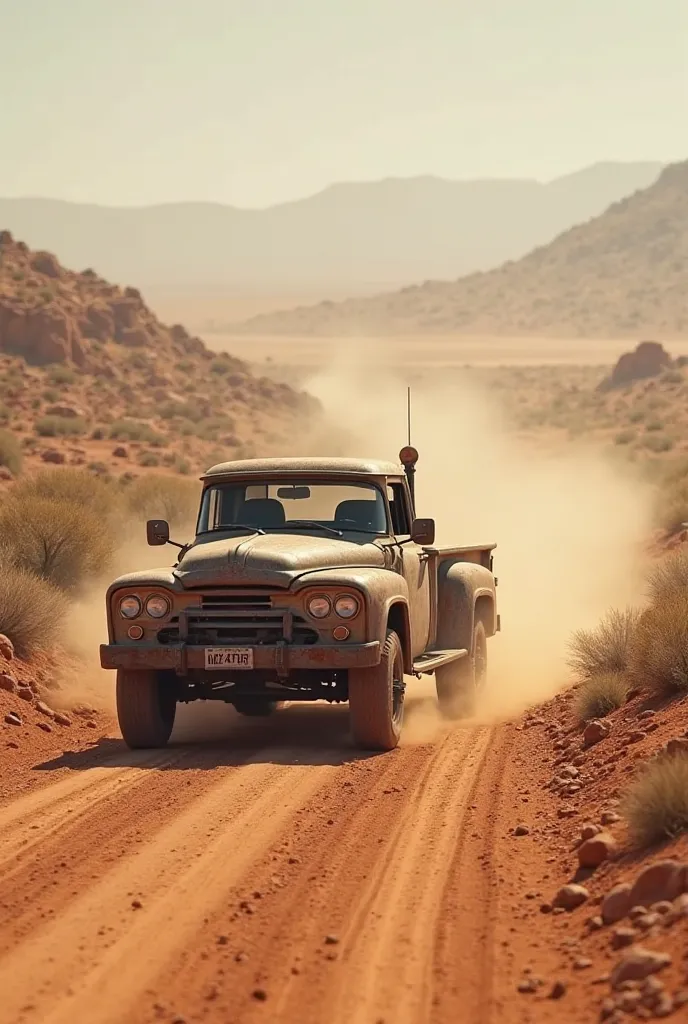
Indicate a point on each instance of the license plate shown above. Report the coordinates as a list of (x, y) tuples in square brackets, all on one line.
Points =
[(229, 657)]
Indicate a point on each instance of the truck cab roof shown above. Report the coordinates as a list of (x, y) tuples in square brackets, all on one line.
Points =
[(304, 466)]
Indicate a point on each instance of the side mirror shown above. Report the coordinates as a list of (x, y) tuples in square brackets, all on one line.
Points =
[(423, 532), (157, 532)]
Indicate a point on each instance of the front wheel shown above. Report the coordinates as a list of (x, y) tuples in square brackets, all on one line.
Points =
[(459, 682), (146, 706), (376, 699)]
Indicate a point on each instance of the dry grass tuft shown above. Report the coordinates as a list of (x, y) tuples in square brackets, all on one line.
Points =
[(600, 694), (669, 576), (31, 610), (659, 650), (10, 452), (605, 648), (163, 497), (57, 540), (76, 485), (656, 805)]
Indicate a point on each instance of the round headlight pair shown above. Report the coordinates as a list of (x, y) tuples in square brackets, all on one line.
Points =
[(346, 606), (156, 606)]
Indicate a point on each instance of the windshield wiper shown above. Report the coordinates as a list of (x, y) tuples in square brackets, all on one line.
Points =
[(234, 526), (294, 524)]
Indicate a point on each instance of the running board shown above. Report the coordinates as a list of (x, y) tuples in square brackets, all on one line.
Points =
[(431, 660)]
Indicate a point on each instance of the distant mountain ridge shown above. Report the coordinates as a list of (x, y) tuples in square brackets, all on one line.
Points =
[(621, 274), (363, 236)]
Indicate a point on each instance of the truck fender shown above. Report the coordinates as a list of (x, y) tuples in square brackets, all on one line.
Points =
[(385, 595), (461, 587)]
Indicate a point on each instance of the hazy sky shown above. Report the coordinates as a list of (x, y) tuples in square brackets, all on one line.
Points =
[(256, 101)]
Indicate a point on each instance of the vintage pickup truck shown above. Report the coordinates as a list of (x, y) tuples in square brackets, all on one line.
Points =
[(307, 579)]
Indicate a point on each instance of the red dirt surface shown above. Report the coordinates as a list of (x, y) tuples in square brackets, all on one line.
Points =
[(274, 873)]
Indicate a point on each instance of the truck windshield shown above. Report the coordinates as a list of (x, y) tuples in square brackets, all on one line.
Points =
[(298, 505)]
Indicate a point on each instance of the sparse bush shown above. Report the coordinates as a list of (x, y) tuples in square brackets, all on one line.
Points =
[(135, 430), (672, 504), (624, 437), (164, 497), (656, 805), (605, 648), (601, 694), (654, 425), (658, 443), (658, 658), (219, 366), (4, 414), (669, 576), (148, 459), (10, 452), (60, 374), (58, 540), (70, 484), (61, 426), (31, 610)]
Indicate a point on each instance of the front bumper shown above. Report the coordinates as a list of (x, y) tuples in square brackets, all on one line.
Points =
[(281, 658)]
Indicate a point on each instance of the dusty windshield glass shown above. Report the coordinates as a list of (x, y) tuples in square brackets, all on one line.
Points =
[(297, 505)]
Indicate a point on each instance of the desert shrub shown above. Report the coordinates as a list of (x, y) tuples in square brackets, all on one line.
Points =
[(601, 694), (10, 452), (671, 507), (605, 648), (656, 805), (135, 430), (654, 425), (59, 374), (658, 658), (164, 497), (220, 366), (669, 576), (70, 484), (624, 437), (658, 443), (31, 610), (148, 459), (5, 414), (57, 540), (61, 426)]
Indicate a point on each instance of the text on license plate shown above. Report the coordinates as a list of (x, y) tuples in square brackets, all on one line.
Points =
[(229, 657)]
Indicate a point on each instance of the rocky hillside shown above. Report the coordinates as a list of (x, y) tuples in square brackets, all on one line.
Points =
[(89, 375), (622, 274)]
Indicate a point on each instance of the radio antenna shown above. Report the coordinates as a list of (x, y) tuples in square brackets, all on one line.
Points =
[(408, 412)]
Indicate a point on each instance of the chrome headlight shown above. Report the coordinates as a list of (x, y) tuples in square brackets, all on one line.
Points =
[(347, 606), (157, 606), (129, 607), (319, 606)]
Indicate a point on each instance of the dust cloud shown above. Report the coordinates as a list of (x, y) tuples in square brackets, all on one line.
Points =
[(570, 527)]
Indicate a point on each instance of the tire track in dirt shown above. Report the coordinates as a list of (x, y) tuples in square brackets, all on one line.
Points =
[(371, 862), (93, 962), (397, 917), (34, 819)]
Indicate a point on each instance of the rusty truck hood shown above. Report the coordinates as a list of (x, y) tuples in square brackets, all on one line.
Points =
[(269, 560)]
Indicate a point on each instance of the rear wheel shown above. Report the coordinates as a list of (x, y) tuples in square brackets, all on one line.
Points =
[(146, 707), (376, 699), (256, 707), (459, 682)]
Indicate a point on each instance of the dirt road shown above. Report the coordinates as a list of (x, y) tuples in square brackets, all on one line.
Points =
[(267, 876)]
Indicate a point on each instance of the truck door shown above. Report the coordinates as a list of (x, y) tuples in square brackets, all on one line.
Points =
[(413, 567)]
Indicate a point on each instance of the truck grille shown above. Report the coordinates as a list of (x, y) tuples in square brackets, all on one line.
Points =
[(240, 620)]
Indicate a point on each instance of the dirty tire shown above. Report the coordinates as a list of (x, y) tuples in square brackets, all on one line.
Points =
[(256, 707), (459, 682), (376, 705), (146, 708)]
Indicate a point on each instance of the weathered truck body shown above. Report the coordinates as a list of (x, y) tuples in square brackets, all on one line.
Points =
[(267, 605)]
